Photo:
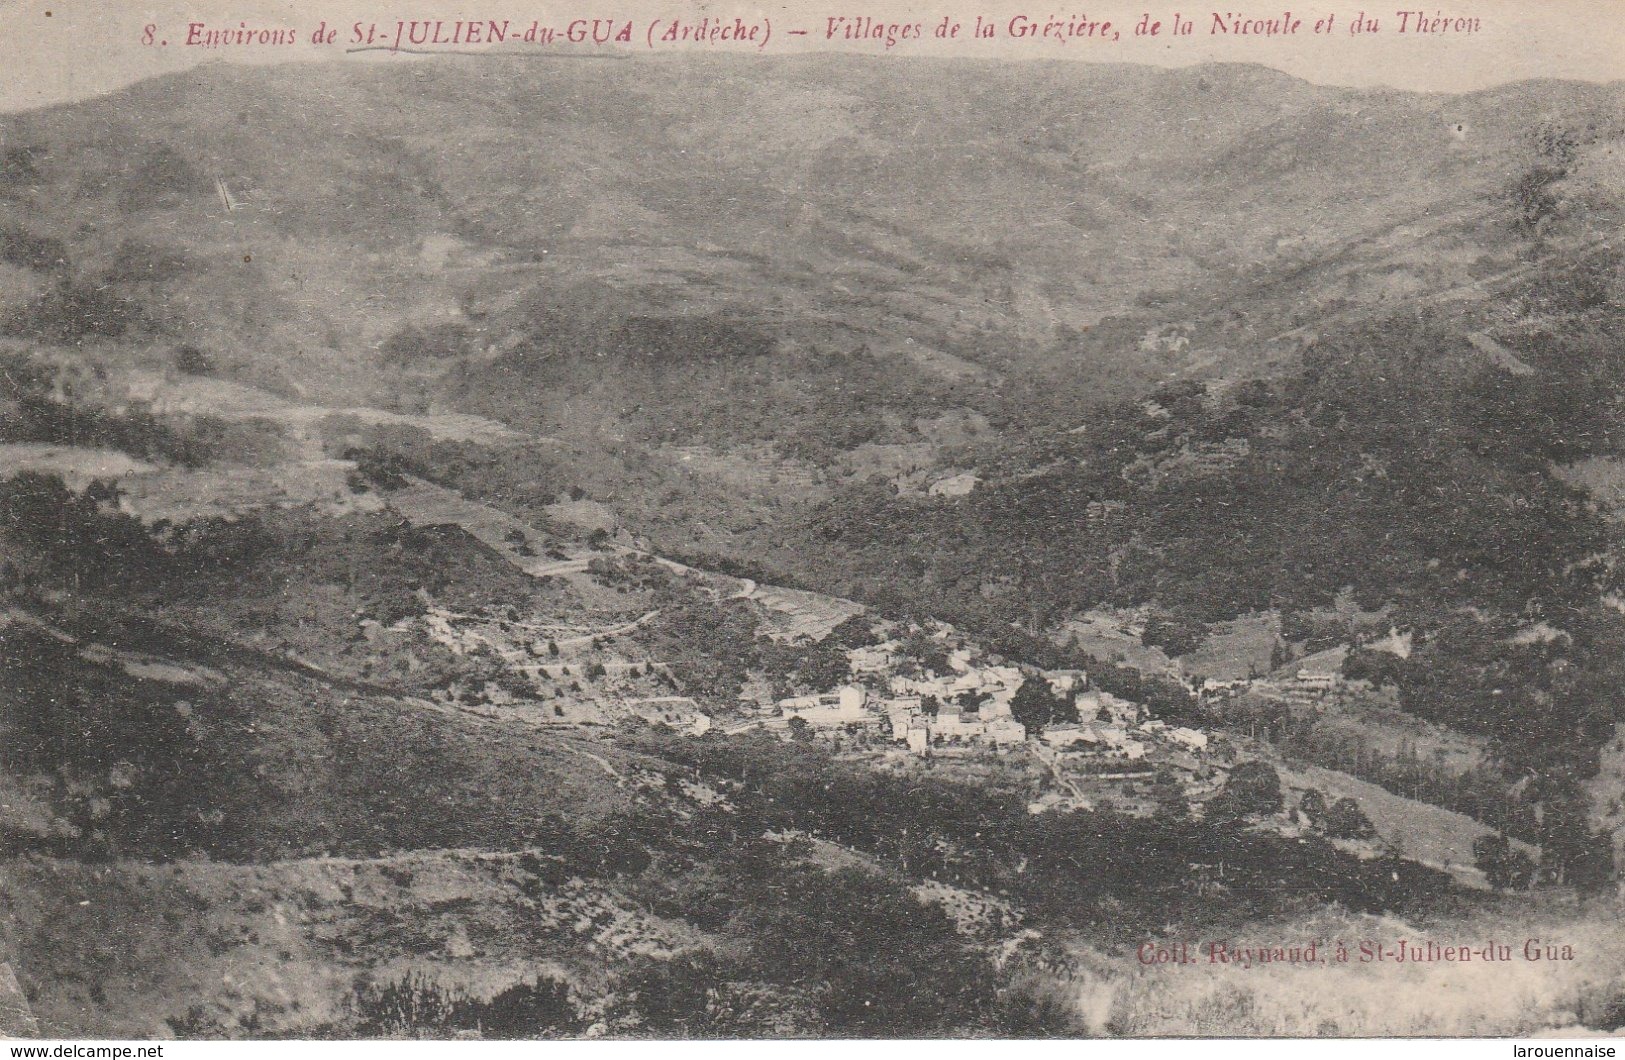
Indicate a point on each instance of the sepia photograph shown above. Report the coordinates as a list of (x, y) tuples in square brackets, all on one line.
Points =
[(671, 522)]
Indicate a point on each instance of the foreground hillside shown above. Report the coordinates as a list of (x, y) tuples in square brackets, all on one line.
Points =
[(185, 809)]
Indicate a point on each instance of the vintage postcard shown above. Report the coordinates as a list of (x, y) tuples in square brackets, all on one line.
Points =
[(819, 520)]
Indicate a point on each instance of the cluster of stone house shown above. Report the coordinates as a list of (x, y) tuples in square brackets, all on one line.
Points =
[(965, 709), (920, 720), (848, 705), (952, 727), (1309, 682), (1221, 687), (1097, 739), (1120, 741), (1093, 705)]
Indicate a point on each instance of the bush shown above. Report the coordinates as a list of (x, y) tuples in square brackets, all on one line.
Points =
[(71, 312), (672, 994), (415, 1006), (1253, 790), (1174, 635), (19, 165), (20, 247), (1503, 866), (1038, 1004), (882, 962), (1345, 820), (190, 360)]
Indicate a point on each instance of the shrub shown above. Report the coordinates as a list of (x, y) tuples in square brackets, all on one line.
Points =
[(415, 1006), (1345, 820), (672, 994), (1504, 867), (1253, 790)]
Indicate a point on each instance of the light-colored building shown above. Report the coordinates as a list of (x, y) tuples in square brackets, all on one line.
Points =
[(952, 723), (843, 707), (1322, 670), (1103, 706), (997, 705), (874, 659), (1191, 738), (1103, 739), (1005, 732), (1001, 677), (952, 728), (1068, 735)]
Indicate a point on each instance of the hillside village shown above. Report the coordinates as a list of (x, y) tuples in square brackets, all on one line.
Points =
[(960, 704), (912, 698), (905, 693), (892, 695)]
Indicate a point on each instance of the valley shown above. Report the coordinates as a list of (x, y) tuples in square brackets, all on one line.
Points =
[(651, 568)]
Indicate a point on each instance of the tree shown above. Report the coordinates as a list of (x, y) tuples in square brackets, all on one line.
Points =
[(1173, 634), (527, 1009), (1378, 667), (799, 729), (191, 360), (854, 632), (864, 944), (1569, 851), (1504, 867), (928, 651), (1345, 820), (1532, 194), (1252, 790), (823, 666), (1169, 796), (1035, 706)]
